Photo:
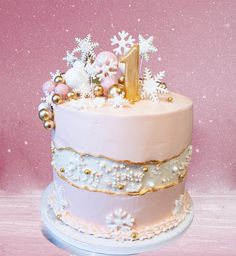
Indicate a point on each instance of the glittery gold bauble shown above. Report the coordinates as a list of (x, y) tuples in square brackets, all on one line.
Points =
[(163, 85), (48, 124), (45, 114), (116, 89), (87, 171), (71, 95), (59, 80), (56, 99), (121, 80), (98, 90), (170, 99)]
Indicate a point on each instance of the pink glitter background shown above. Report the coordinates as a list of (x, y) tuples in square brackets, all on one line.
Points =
[(196, 43), (197, 46)]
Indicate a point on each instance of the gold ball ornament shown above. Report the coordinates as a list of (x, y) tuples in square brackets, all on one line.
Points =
[(145, 169), (71, 95), (163, 85), (116, 89), (56, 99), (59, 80), (87, 171), (121, 80), (98, 90), (49, 124), (134, 235), (45, 114)]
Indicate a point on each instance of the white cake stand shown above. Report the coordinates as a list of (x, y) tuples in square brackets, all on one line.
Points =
[(80, 244)]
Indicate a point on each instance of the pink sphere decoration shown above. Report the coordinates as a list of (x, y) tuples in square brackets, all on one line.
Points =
[(62, 90), (48, 87), (104, 58), (107, 82)]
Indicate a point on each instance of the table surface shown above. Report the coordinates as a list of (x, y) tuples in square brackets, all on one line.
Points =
[(213, 231)]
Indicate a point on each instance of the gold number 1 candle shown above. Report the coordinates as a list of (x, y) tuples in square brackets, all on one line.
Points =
[(131, 60)]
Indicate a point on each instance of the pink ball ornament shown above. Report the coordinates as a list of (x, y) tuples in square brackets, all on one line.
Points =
[(62, 90), (107, 82), (104, 58), (48, 87)]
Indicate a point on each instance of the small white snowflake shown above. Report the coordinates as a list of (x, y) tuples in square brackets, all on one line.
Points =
[(146, 47), (85, 47), (108, 69), (118, 101), (48, 99), (125, 42), (120, 220), (57, 198), (151, 86), (85, 90), (179, 205), (54, 75), (70, 58)]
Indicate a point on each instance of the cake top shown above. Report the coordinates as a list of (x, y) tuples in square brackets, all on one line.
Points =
[(108, 80)]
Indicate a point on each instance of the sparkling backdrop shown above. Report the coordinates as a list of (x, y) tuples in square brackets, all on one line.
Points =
[(196, 47)]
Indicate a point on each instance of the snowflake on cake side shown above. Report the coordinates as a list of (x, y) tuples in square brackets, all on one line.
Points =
[(152, 87), (120, 220)]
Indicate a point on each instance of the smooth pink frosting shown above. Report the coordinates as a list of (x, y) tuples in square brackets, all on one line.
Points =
[(148, 209), (142, 132)]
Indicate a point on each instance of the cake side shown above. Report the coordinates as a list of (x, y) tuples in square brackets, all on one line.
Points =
[(141, 132)]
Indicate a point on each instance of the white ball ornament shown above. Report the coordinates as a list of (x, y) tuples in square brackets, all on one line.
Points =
[(42, 105), (75, 77), (78, 64)]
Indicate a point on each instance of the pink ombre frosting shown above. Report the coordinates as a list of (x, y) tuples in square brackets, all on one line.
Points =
[(147, 210), (141, 132)]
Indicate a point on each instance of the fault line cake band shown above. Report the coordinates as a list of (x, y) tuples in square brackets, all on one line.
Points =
[(121, 143)]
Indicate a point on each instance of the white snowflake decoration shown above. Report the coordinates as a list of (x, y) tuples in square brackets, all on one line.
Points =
[(118, 101), (120, 220), (86, 47), (125, 42), (48, 99), (151, 86), (179, 205), (105, 70), (91, 69), (57, 198), (70, 58), (85, 90), (146, 47), (54, 75)]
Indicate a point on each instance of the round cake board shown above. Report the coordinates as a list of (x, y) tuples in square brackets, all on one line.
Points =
[(67, 238)]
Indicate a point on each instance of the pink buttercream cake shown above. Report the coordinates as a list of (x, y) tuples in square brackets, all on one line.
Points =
[(119, 163)]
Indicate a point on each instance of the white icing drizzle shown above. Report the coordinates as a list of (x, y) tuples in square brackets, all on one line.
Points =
[(98, 173)]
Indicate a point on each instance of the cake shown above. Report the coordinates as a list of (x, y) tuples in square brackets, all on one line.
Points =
[(121, 145)]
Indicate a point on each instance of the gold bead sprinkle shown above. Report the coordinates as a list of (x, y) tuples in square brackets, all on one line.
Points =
[(170, 99), (120, 186), (145, 169), (87, 171), (181, 177), (62, 169), (134, 235), (58, 216)]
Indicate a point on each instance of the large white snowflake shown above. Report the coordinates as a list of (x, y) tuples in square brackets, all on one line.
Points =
[(151, 86), (85, 47), (118, 101), (146, 46), (70, 58), (125, 42), (108, 69), (120, 220)]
